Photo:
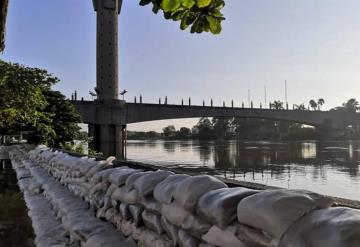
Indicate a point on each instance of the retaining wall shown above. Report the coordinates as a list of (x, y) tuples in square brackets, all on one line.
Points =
[(95, 203)]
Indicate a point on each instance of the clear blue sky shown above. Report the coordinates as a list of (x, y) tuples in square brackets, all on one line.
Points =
[(314, 45)]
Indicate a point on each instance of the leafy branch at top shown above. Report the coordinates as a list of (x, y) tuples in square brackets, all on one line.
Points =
[(201, 15)]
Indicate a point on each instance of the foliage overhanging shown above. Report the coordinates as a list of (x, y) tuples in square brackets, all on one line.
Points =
[(201, 15)]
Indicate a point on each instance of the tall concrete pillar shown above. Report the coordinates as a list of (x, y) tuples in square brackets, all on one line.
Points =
[(107, 12), (108, 138)]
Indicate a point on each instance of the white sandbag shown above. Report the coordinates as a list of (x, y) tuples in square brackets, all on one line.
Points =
[(163, 192), (219, 206), (223, 238), (185, 240), (129, 183), (152, 221), (331, 227), (119, 177), (146, 184), (189, 190), (116, 220), (122, 195), (109, 214), (95, 169), (254, 237), (171, 231), (274, 211), (124, 211), (150, 204), (204, 244), (127, 227), (182, 218), (149, 238), (136, 211), (109, 239)]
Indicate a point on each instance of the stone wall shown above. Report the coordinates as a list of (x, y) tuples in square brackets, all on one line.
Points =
[(95, 203)]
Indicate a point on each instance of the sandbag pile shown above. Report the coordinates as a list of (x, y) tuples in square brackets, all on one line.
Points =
[(60, 218), (160, 208)]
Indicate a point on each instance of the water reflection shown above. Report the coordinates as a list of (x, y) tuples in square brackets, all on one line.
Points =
[(328, 167)]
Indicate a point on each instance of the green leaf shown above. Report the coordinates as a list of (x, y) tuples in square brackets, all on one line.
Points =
[(188, 3), (215, 26), (203, 3), (170, 5)]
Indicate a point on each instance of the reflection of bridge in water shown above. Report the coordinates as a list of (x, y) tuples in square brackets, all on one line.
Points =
[(277, 159)]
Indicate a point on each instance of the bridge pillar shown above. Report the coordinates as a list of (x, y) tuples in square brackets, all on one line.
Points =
[(109, 139)]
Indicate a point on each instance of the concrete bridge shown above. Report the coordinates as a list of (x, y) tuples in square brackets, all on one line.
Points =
[(108, 119), (120, 113)]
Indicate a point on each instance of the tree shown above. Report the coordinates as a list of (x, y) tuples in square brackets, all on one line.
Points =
[(3, 13), (205, 128), (313, 104), (184, 133), (27, 103), (221, 126), (201, 15), (169, 131), (352, 105), (277, 104), (300, 107), (320, 103), (64, 118)]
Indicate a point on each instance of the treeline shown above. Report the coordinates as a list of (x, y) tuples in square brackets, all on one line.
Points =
[(256, 129)]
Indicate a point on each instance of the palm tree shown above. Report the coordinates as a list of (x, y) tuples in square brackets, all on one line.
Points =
[(352, 105), (320, 103), (313, 104), (277, 104), (300, 107)]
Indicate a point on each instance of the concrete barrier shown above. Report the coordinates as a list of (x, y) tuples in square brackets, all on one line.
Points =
[(96, 203)]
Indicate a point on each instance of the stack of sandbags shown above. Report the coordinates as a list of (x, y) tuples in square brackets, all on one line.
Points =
[(62, 219), (160, 208)]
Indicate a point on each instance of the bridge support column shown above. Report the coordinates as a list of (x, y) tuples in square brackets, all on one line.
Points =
[(109, 139)]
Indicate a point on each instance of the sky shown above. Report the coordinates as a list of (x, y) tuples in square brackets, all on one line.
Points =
[(312, 44)]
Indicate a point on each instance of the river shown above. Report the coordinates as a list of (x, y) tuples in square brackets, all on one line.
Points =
[(330, 168)]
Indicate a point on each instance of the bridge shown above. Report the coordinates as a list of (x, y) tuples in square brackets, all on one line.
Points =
[(108, 116), (117, 114)]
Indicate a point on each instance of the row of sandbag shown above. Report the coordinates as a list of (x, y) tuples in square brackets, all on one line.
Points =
[(72, 215), (162, 201), (201, 210), (48, 230)]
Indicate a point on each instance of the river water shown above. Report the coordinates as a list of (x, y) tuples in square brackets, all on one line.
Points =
[(330, 168)]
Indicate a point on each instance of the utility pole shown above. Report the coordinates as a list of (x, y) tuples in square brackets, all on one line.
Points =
[(265, 97), (249, 97), (286, 96)]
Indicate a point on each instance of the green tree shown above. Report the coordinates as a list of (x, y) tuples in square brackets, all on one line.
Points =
[(201, 15), (300, 107), (64, 118), (184, 133), (27, 103), (221, 126), (352, 105), (277, 104), (205, 128), (320, 103), (313, 104), (169, 131)]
